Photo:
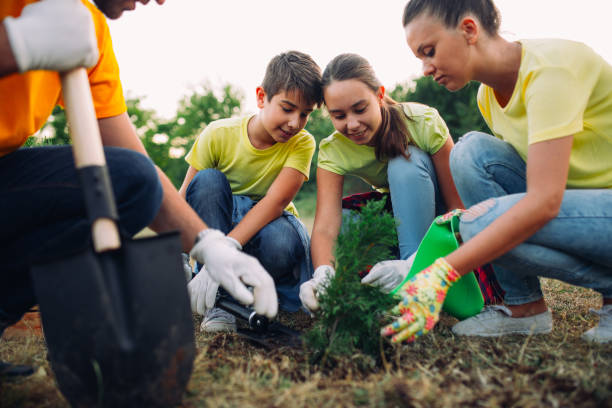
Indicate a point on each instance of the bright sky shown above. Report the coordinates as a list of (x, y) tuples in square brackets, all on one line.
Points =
[(166, 51)]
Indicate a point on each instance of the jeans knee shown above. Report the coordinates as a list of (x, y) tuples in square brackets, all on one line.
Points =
[(205, 183), (137, 187), (465, 151), (418, 166), (207, 179), (474, 218)]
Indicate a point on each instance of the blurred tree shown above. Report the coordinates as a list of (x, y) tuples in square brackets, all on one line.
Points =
[(166, 141), (458, 109)]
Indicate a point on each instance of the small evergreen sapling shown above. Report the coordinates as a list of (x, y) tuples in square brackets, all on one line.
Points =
[(350, 314)]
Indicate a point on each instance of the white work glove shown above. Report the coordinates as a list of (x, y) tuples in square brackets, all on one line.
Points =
[(55, 35), (387, 275), (232, 269), (313, 288), (202, 292), (187, 267)]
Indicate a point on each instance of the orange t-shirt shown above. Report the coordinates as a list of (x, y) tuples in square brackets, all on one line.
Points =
[(27, 100)]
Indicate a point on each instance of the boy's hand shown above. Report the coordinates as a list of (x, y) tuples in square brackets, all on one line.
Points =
[(387, 275), (234, 270), (311, 289), (202, 292), (187, 267), (422, 298)]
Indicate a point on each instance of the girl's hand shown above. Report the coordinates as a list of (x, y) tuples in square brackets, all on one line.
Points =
[(422, 299)]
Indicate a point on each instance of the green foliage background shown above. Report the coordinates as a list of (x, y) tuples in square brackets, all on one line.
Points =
[(167, 141)]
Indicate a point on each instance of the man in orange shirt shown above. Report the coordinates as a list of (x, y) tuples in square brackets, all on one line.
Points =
[(41, 206)]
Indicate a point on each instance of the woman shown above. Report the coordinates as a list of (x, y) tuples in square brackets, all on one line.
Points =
[(540, 196), (398, 148)]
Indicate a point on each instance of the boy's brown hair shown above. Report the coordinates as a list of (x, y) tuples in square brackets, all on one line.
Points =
[(294, 71)]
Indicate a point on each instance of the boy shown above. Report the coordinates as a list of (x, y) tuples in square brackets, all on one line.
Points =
[(243, 174)]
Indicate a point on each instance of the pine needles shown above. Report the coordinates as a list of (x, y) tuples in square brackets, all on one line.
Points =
[(349, 318)]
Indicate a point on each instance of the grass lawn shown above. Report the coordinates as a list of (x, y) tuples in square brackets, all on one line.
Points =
[(440, 370)]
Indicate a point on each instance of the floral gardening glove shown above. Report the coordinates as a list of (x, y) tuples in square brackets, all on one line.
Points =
[(422, 298), (444, 218)]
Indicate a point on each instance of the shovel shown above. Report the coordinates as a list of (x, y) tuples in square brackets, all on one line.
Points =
[(116, 317)]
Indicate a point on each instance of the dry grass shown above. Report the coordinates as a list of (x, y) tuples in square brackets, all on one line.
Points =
[(440, 370)]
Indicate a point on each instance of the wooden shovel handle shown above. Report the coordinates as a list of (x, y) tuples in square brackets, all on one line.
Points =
[(87, 145)]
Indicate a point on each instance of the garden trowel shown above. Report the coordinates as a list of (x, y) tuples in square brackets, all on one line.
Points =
[(116, 317)]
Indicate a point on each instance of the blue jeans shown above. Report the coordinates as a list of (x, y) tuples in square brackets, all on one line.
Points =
[(277, 246), (575, 247), (43, 216), (415, 197)]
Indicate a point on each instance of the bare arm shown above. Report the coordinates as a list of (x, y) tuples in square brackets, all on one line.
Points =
[(547, 168), (191, 172), (8, 64), (279, 195), (440, 160), (175, 213), (328, 217)]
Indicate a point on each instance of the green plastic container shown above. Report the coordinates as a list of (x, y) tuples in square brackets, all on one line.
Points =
[(464, 299)]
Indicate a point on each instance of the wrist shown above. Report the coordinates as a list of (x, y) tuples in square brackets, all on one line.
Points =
[(206, 234), (446, 271), (234, 242)]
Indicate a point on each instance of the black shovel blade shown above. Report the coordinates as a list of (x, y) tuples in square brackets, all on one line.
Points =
[(118, 325)]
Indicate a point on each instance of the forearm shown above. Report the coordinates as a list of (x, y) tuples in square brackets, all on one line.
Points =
[(175, 213), (322, 247), (512, 228), (8, 64), (445, 179), (264, 212)]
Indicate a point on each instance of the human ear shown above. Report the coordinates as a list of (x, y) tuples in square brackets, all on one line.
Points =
[(261, 97), (469, 29), (380, 94)]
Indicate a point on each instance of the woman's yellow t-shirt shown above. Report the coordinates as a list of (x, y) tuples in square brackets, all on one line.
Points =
[(563, 88), (224, 145), (340, 155)]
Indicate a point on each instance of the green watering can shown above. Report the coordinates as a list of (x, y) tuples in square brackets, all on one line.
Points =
[(464, 299)]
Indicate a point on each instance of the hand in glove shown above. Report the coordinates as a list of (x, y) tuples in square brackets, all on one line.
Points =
[(422, 298), (55, 35), (187, 267), (387, 275), (234, 270), (202, 292), (311, 289), (444, 218)]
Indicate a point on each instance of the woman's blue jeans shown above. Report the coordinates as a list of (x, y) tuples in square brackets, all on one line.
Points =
[(277, 245), (42, 212), (415, 197), (575, 247)]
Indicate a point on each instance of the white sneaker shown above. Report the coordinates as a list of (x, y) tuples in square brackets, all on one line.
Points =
[(217, 320), (497, 320), (602, 333)]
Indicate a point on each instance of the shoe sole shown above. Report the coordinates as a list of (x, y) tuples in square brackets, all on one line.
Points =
[(215, 328), (506, 333)]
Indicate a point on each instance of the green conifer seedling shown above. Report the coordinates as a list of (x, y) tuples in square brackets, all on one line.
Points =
[(350, 314)]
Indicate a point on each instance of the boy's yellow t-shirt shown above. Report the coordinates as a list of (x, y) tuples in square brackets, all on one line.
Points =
[(27, 100), (340, 155), (224, 145), (563, 88)]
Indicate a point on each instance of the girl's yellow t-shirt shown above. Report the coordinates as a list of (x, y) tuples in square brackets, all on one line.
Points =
[(340, 155), (563, 88)]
